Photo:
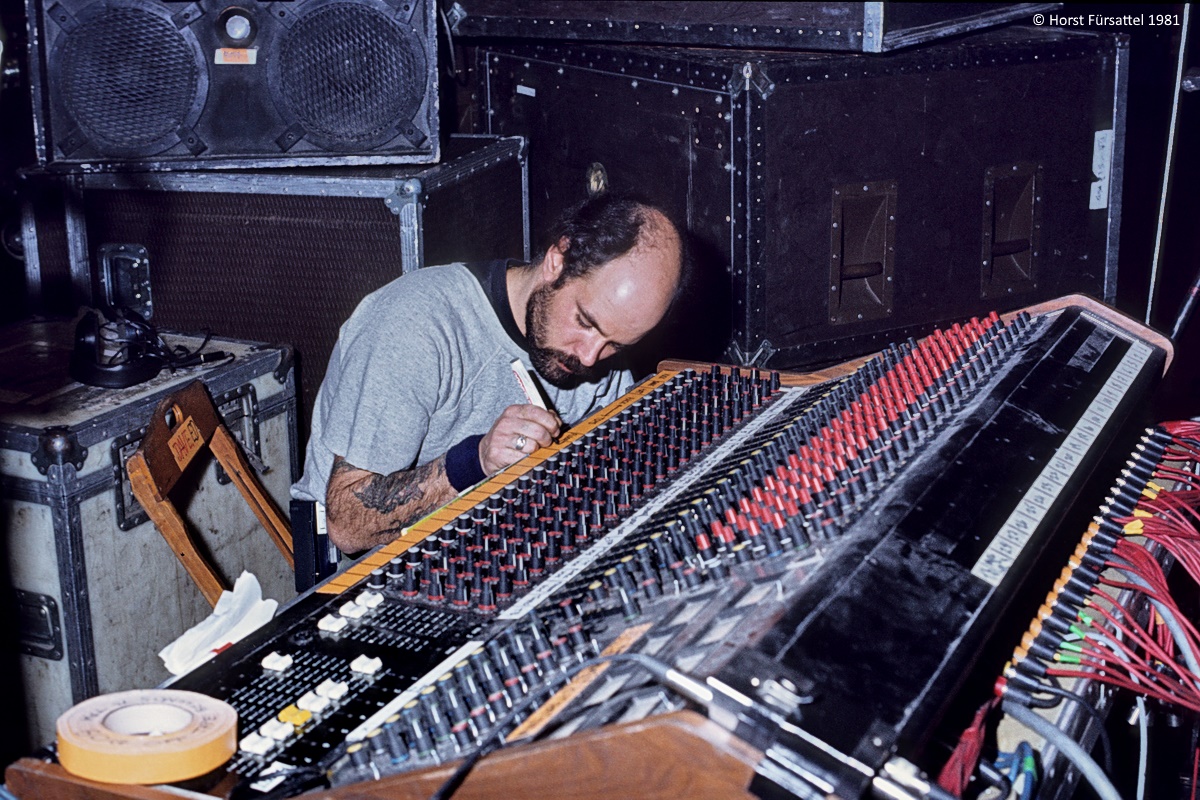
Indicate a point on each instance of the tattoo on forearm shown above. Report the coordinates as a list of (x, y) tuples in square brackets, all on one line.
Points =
[(367, 508), (386, 493)]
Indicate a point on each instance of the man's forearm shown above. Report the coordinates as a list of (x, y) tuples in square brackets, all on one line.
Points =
[(365, 508)]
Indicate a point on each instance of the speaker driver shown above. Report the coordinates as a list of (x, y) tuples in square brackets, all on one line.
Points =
[(130, 81), (351, 77)]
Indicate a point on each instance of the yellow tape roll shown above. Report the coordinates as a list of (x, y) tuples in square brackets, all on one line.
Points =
[(146, 736)]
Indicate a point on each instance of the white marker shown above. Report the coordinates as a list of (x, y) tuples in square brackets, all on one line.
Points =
[(528, 385)]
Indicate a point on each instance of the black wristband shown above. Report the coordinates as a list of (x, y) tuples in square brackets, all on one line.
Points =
[(463, 469)]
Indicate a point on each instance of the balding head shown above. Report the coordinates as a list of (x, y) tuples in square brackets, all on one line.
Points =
[(610, 276), (601, 229)]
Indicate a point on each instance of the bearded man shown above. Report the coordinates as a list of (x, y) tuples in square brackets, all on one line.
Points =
[(420, 400)]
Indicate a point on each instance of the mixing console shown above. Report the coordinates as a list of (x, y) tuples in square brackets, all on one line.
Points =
[(837, 554)]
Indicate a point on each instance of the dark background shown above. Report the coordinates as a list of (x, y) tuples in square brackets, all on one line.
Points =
[(1152, 73)]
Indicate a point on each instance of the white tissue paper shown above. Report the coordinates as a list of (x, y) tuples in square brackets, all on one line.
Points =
[(236, 614)]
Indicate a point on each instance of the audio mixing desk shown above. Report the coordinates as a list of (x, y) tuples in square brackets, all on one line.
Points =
[(728, 583)]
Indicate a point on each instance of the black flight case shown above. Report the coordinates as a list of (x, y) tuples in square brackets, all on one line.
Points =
[(839, 201)]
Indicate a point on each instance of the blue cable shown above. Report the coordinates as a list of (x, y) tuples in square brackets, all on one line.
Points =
[(1019, 763)]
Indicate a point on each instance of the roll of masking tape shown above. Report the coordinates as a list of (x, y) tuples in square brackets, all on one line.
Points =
[(146, 736)]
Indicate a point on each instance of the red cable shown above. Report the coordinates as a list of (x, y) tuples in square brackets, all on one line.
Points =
[(957, 771), (1195, 771), (1139, 635)]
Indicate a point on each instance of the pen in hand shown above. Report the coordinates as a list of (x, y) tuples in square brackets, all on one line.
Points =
[(528, 385)]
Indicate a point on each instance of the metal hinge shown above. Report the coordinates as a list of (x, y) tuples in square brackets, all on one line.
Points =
[(758, 358), (873, 27), (406, 204), (752, 77), (406, 193), (454, 15)]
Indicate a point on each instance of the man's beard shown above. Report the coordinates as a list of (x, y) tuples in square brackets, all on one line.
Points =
[(561, 369)]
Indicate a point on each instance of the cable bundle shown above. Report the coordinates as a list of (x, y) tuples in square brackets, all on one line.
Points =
[(1110, 617), (116, 348), (126, 335)]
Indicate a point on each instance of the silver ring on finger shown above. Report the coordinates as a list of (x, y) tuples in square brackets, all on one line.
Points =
[(519, 442)]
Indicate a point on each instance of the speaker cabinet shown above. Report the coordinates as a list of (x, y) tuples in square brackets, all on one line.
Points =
[(148, 84), (274, 255), (837, 201)]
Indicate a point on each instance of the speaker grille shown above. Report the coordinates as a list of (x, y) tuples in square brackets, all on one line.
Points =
[(351, 76), (129, 79)]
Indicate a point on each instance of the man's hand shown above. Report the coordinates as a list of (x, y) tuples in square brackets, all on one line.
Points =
[(364, 508), (517, 432)]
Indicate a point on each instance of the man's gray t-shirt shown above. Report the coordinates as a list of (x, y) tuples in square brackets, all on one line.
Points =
[(423, 363)]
